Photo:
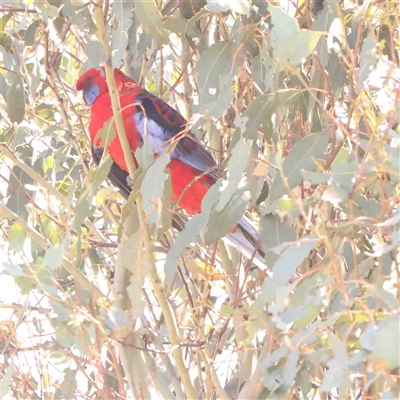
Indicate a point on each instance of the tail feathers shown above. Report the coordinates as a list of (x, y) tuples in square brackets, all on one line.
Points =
[(246, 239)]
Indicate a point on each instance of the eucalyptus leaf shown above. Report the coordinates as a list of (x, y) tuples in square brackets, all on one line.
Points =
[(95, 52), (192, 229), (386, 349), (12, 269), (131, 255), (275, 232), (4, 88), (5, 381), (30, 33), (304, 155), (123, 13), (152, 187), (262, 107), (53, 257), (82, 211), (224, 221), (290, 44), (338, 372), (237, 166), (285, 266), (15, 105), (239, 6), (68, 385), (151, 19), (215, 63), (16, 237)]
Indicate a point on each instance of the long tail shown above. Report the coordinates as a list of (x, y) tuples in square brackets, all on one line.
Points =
[(247, 240)]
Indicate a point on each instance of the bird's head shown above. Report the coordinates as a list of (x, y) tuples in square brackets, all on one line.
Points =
[(93, 84)]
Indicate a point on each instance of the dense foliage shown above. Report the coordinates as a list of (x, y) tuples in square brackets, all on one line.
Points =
[(103, 299)]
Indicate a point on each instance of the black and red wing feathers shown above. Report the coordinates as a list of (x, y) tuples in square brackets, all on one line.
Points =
[(187, 149)]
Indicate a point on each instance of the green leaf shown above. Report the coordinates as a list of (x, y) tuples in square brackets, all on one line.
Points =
[(275, 232), (290, 368), (128, 250), (192, 229), (226, 310), (290, 44), (131, 256), (102, 171), (5, 39), (215, 70), (264, 69), (223, 221), (237, 166), (386, 350), (15, 106), (46, 10), (106, 134), (238, 6), (284, 268), (3, 21), (152, 187), (50, 229), (48, 163), (302, 156), (53, 257), (130, 218), (5, 381), (362, 207), (150, 17), (69, 384), (338, 374), (16, 237), (122, 11), (368, 338), (291, 258), (68, 10), (46, 111), (29, 37), (341, 182), (191, 27), (4, 88), (95, 53), (103, 195), (307, 297), (368, 56), (83, 18), (12, 269), (261, 109), (316, 178), (25, 283), (83, 209), (145, 155), (176, 24), (381, 294)]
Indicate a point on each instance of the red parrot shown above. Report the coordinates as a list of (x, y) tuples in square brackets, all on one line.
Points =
[(192, 168)]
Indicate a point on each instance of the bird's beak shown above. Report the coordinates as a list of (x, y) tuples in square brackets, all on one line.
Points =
[(79, 97)]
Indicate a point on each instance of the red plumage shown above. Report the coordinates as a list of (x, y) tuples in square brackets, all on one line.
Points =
[(192, 168), (189, 183)]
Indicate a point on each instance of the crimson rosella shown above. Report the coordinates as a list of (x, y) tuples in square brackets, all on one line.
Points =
[(192, 168)]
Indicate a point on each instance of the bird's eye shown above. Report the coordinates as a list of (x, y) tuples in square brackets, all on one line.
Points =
[(88, 81)]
